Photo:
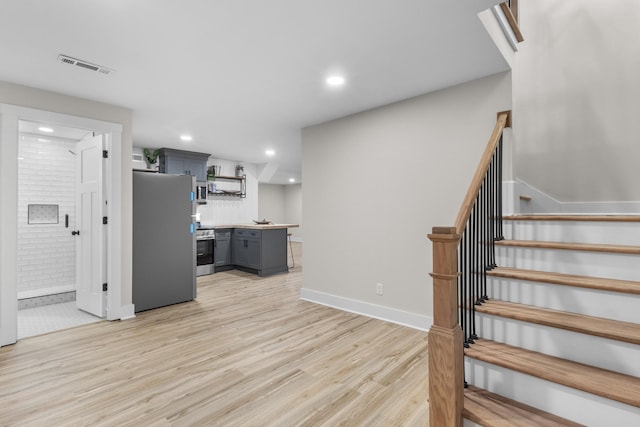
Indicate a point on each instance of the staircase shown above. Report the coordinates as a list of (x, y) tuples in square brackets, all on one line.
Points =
[(560, 333)]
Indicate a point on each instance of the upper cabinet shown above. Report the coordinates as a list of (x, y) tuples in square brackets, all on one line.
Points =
[(183, 163)]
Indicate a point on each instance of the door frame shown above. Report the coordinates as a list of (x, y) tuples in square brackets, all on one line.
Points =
[(10, 115)]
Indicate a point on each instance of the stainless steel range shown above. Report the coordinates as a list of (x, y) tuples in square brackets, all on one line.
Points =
[(205, 243)]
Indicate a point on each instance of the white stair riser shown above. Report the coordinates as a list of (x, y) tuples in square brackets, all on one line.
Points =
[(590, 302), (604, 353), (565, 402), (595, 264), (613, 233)]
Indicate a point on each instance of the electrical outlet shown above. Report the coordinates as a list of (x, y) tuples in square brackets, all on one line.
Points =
[(379, 288)]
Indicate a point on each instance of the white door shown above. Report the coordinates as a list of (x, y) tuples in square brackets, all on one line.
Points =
[(89, 242)]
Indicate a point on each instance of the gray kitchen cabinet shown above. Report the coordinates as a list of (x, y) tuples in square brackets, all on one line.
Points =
[(246, 248), (222, 250), (182, 162), (260, 251)]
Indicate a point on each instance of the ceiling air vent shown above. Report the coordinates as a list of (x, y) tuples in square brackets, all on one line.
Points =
[(84, 64)]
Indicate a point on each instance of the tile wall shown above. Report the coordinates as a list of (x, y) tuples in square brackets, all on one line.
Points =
[(46, 252)]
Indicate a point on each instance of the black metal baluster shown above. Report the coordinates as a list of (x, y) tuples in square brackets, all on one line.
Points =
[(475, 269), (481, 260), (469, 293), (499, 195), (485, 240), (462, 256), (477, 251), (490, 210), (472, 284), (494, 210), (469, 278)]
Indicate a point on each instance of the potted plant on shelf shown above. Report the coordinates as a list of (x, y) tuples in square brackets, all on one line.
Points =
[(151, 157), (211, 173)]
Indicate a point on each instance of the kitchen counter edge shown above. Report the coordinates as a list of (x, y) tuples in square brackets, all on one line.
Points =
[(254, 226)]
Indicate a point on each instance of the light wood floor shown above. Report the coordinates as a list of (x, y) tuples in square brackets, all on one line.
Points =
[(247, 352)]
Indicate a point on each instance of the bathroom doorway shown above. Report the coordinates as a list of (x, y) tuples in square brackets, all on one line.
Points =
[(115, 238), (48, 228)]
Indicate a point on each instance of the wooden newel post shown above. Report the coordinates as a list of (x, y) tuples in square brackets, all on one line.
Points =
[(446, 379)]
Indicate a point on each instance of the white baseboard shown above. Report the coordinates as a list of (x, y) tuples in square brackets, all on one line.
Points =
[(33, 293), (127, 312), (412, 320)]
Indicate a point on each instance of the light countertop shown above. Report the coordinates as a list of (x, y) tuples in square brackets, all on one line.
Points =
[(254, 226)]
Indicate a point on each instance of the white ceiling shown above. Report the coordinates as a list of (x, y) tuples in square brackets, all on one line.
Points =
[(60, 133), (243, 76)]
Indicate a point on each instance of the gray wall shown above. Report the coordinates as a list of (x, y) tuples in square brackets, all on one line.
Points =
[(375, 183), (576, 99), (282, 204), (271, 202), (293, 210)]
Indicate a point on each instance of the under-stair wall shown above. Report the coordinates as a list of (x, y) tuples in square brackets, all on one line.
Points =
[(604, 344)]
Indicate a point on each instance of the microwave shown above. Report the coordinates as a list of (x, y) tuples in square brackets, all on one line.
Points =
[(201, 192)]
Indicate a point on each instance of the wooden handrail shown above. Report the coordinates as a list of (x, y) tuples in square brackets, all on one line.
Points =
[(512, 20), (503, 121)]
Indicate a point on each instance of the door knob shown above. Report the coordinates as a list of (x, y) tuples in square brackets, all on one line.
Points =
[(75, 233)]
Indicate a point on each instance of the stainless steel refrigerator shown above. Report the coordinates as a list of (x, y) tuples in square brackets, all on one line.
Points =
[(164, 251)]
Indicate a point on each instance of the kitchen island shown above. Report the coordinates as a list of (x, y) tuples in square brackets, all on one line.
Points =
[(254, 248)]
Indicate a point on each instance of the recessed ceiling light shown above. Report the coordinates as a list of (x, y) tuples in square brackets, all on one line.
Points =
[(292, 180), (45, 129), (335, 80), (270, 153), (186, 138)]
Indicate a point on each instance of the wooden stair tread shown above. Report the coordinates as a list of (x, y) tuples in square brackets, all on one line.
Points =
[(492, 410), (594, 218), (597, 326), (600, 283), (589, 247), (601, 382)]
